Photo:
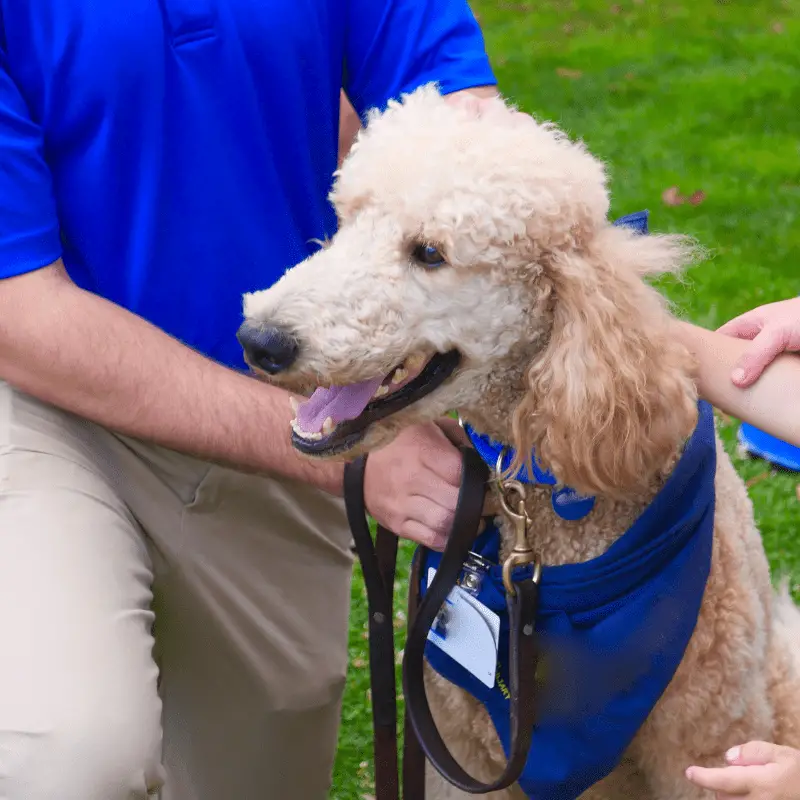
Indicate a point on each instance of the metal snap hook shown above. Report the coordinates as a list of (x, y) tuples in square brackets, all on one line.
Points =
[(522, 553)]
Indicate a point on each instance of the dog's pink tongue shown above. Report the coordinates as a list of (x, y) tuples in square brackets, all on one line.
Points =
[(339, 402)]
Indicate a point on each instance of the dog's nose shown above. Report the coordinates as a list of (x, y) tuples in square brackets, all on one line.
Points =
[(271, 349)]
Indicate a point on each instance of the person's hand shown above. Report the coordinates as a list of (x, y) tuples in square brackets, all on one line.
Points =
[(411, 485), (773, 328), (757, 770)]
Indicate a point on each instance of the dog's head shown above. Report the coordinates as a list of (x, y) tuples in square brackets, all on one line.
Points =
[(475, 269)]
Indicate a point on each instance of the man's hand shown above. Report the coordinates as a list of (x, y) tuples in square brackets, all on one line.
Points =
[(773, 328), (411, 485), (757, 770)]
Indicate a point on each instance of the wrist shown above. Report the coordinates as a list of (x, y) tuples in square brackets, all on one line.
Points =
[(266, 459), (329, 477)]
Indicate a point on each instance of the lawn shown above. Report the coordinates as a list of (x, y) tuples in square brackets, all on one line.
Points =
[(703, 96)]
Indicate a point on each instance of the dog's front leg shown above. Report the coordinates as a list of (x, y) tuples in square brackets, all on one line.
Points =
[(437, 788), (626, 782), (469, 734), (690, 726)]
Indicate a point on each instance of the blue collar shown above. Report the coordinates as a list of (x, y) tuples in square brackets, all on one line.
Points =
[(566, 502)]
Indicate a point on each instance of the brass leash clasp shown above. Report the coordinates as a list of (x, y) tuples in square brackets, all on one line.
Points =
[(522, 553)]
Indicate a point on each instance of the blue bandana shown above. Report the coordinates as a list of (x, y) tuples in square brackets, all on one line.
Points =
[(613, 630)]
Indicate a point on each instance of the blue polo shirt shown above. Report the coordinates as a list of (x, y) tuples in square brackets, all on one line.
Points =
[(179, 153)]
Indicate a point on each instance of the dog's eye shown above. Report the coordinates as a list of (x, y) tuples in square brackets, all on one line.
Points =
[(428, 255)]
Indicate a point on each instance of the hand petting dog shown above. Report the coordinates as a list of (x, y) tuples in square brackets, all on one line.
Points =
[(756, 770), (773, 328)]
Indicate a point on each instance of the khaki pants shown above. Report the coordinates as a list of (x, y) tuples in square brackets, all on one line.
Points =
[(143, 591)]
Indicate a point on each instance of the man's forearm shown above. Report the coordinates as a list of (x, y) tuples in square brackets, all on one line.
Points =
[(84, 354), (770, 404)]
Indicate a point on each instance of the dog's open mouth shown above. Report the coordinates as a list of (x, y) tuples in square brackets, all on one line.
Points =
[(335, 419)]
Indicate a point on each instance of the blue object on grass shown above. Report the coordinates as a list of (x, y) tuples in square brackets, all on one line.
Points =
[(763, 445)]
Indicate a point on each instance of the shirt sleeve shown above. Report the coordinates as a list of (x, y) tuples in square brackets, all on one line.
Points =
[(395, 46), (29, 230)]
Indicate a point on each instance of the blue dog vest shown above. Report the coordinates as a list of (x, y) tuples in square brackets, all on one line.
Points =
[(613, 630)]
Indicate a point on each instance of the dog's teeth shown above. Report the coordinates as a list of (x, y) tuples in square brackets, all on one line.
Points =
[(294, 403), (329, 426), (415, 361), (381, 391), (304, 434), (400, 375)]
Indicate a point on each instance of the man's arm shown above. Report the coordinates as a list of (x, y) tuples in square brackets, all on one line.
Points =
[(82, 353), (770, 404), (349, 126)]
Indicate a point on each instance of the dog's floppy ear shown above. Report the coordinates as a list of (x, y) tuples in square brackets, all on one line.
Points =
[(611, 397)]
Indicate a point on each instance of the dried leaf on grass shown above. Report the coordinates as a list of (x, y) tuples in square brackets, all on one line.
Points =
[(673, 197), (757, 478), (572, 74)]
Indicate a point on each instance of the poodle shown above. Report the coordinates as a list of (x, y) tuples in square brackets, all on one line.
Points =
[(475, 269)]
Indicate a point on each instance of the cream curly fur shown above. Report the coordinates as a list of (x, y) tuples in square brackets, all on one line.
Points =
[(566, 348)]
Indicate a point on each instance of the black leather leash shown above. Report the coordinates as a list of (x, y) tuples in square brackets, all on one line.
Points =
[(421, 735)]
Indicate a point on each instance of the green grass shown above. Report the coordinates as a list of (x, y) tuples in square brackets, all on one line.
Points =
[(699, 94)]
